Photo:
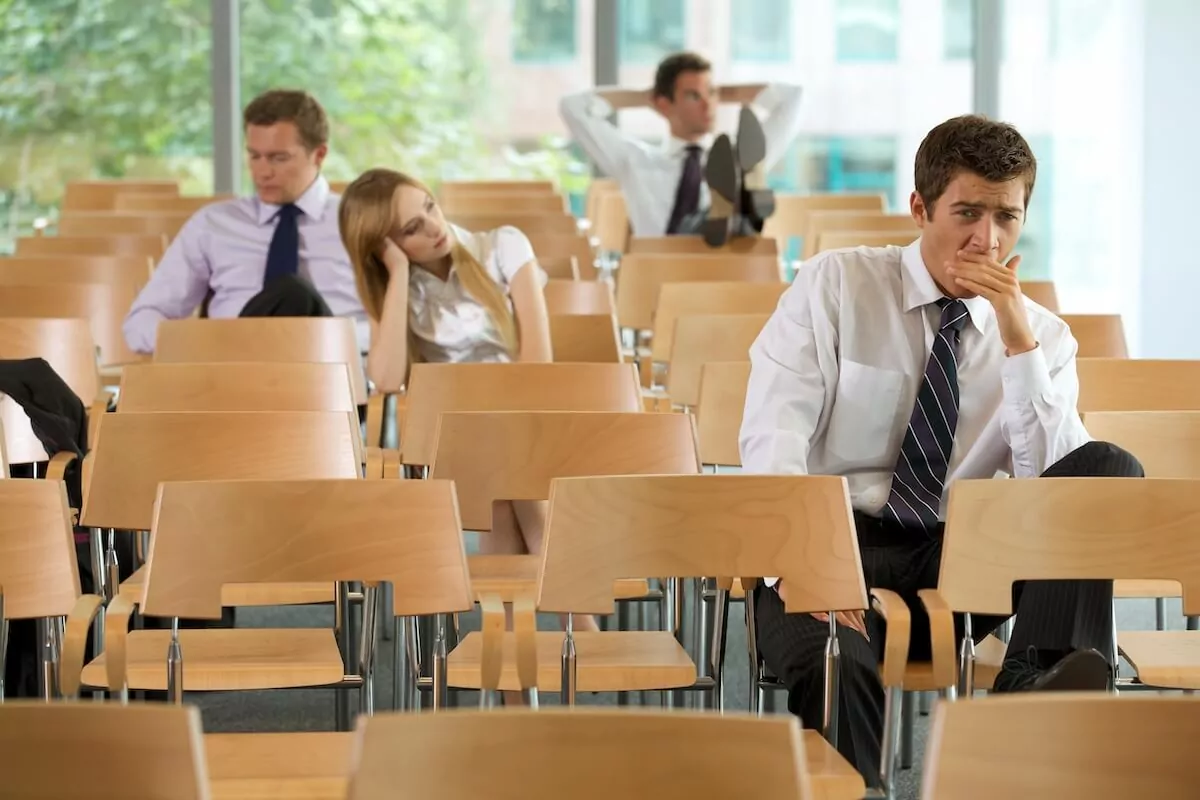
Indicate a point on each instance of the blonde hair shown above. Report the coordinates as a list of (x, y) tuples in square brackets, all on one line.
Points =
[(365, 219)]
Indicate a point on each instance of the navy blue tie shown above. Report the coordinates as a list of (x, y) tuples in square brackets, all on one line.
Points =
[(928, 442), (283, 256), (687, 193)]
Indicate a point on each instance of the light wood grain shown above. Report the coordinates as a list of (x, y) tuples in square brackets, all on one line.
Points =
[(279, 766), (145, 245), (102, 305), (500, 202), (1129, 384), (1098, 335), (708, 297), (38, 571), (101, 750), (248, 594), (1165, 659), (101, 195), (610, 222), (823, 222), (562, 245), (78, 268), (102, 223), (1043, 293), (1065, 745), (642, 277), (559, 268), (449, 189), (263, 386), (579, 297), (792, 211), (184, 204), (527, 223), (674, 245), (842, 240), (585, 339), (701, 338), (719, 410)]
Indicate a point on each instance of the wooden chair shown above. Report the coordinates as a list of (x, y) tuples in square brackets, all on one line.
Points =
[(841, 240), (579, 297), (719, 411), (585, 338), (3, 447), (102, 305), (596, 189), (338, 187), (1064, 745), (147, 246), (610, 226), (561, 245), (67, 345), (700, 338), (102, 750), (1098, 335), (1043, 293), (792, 211), (435, 389), (127, 201), (711, 297), (560, 268), (602, 528), (102, 195), (675, 245), (529, 224), (641, 277), (1136, 384), (30, 270), (260, 766), (998, 532), (265, 386), (40, 576), (449, 189), (822, 222), (101, 223), (301, 531), (595, 754), (484, 203)]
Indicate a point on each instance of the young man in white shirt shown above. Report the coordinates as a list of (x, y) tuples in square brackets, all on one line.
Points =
[(904, 369), (664, 184)]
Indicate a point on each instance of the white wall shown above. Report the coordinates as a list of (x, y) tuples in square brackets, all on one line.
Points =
[(1170, 264)]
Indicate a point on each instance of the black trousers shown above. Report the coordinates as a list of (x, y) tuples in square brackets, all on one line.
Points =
[(287, 296), (1054, 616)]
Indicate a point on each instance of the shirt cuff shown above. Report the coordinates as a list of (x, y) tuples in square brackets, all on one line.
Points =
[(770, 581), (1026, 376)]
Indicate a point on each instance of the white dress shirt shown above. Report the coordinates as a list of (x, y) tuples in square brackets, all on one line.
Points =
[(448, 323), (648, 173), (835, 373)]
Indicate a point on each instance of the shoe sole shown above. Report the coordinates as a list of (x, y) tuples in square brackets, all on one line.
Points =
[(721, 174), (1081, 671), (751, 149)]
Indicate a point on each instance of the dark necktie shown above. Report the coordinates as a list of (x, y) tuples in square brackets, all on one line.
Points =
[(283, 256), (687, 195), (925, 453)]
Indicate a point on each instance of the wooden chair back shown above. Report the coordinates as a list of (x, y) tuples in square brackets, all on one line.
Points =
[(579, 297), (841, 240), (68, 347), (503, 203), (1135, 384), (676, 300), (338, 187), (585, 339), (641, 278), (147, 246), (822, 222), (528, 224), (702, 338), (38, 571), (1098, 335), (29, 270), (435, 389), (102, 195), (675, 245), (266, 386), (596, 189), (135, 452), (611, 223), (998, 532), (102, 305), (100, 223), (592, 754), (514, 455), (4, 462), (792, 211), (719, 411), (1064, 745), (1166, 442), (560, 245), (149, 751), (166, 205), (451, 189), (406, 532), (560, 268), (799, 528), (1043, 293), (320, 340)]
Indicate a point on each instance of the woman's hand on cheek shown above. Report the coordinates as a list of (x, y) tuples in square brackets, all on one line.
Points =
[(393, 257)]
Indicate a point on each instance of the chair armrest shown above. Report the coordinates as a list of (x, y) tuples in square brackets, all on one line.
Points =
[(898, 620), (59, 462), (116, 636), (374, 468), (376, 404), (941, 634), (392, 468), (525, 627), (96, 414), (491, 660), (79, 623)]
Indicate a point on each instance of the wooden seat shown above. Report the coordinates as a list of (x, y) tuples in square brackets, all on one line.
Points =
[(675, 245), (842, 240), (1098, 335), (821, 223), (563, 245), (585, 338), (101, 223), (103, 306), (641, 277), (1065, 745), (128, 245), (701, 338), (587, 754), (77, 268), (279, 766), (103, 750), (717, 297), (184, 204), (579, 297), (1164, 659), (719, 411), (1136, 384), (101, 195)]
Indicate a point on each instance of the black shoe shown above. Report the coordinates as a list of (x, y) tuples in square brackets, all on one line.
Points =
[(721, 172), (758, 202), (1078, 671)]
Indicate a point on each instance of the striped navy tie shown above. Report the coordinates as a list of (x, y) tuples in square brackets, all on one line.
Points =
[(925, 453)]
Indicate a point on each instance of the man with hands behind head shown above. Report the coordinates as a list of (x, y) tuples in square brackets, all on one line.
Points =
[(904, 369)]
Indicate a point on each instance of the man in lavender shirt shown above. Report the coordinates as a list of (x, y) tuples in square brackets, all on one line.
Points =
[(277, 253)]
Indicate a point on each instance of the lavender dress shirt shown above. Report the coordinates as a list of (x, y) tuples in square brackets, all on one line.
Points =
[(224, 247)]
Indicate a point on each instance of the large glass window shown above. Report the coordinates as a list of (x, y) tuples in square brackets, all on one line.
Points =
[(867, 30), (651, 29), (958, 28), (103, 89), (543, 30), (761, 30)]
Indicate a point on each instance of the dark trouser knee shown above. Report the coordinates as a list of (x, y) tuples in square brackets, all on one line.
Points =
[(1097, 460)]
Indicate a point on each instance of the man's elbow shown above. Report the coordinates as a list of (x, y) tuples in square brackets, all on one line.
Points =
[(140, 332)]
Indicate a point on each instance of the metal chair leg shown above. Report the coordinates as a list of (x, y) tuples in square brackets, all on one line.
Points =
[(716, 656), (893, 704), (175, 666), (755, 692), (907, 725), (1160, 613), (569, 666), (833, 657)]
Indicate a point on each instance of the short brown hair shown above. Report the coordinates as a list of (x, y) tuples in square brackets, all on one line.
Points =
[(671, 67), (995, 151), (290, 105)]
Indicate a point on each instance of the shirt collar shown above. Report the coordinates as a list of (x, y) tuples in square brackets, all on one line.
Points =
[(312, 202), (676, 147), (919, 288)]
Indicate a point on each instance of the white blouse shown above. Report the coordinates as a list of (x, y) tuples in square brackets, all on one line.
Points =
[(448, 323)]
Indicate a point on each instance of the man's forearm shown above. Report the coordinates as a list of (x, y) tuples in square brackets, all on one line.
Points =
[(620, 98), (740, 93)]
